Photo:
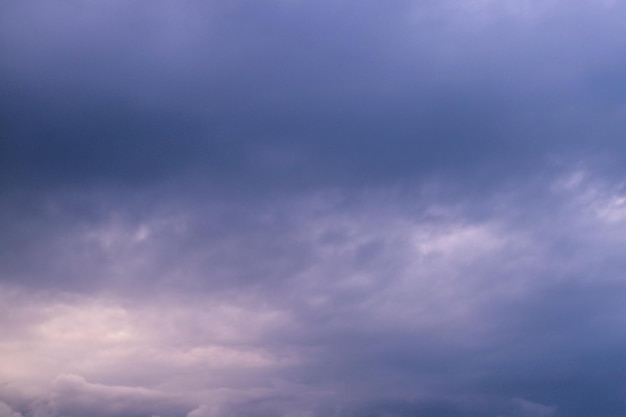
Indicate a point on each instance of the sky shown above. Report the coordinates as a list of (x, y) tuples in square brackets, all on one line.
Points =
[(298, 208)]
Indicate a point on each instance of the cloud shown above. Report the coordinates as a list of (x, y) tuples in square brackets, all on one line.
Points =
[(299, 208), (361, 298), (371, 302), (6, 411), (72, 395), (528, 408), (203, 411), (411, 90)]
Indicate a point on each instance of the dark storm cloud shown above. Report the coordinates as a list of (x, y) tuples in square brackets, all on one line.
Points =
[(300, 93), (298, 209)]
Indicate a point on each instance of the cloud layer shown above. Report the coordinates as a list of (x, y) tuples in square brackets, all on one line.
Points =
[(302, 209)]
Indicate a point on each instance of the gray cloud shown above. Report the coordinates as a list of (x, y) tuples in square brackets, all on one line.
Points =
[(72, 395), (6, 411), (301, 209), (299, 93)]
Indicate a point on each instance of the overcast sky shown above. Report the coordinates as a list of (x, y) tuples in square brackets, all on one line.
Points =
[(298, 208)]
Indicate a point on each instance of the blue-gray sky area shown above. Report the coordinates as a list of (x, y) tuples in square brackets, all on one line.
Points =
[(298, 208)]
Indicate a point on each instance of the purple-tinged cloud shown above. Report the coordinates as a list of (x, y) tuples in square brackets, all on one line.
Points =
[(302, 209)]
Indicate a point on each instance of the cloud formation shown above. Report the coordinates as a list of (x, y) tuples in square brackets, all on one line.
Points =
[(303, 209)]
